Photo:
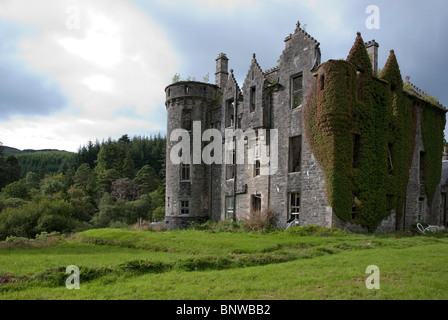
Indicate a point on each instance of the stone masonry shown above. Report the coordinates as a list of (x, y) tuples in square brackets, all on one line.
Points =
[(267, 100)]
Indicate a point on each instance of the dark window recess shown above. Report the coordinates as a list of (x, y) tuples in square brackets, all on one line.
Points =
[(297, 91), (230, 168), (186, 120), (322, 82), (294, 205), (256, 203), (230, 110), (185, 172), (257, 168), (356, 148), (295, 154), (253, 93), (390, 164), (184, 207), (355, 205), (422, 167)]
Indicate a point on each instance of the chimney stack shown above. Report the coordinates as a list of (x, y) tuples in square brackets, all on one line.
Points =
[(222, 73), (372, 50)]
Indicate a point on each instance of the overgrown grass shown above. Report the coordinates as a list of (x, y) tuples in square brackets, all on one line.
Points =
[(299, 263)]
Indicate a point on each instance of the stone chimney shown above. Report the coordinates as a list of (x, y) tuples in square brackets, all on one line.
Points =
[(372, 50), (222, 73)]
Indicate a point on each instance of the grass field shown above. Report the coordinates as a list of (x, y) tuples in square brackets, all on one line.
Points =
[(205, 265)]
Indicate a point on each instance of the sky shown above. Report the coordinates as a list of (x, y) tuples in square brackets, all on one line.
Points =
[(74, 71)]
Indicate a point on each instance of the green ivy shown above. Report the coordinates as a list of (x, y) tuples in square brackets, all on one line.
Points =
[(345, 99)]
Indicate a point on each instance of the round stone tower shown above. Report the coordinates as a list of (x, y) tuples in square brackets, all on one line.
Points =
[(188, 179)]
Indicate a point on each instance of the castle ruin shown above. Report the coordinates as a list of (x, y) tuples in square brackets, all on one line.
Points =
[(354, 148)]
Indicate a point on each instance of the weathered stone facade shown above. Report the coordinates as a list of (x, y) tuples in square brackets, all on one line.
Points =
[(272, 101)]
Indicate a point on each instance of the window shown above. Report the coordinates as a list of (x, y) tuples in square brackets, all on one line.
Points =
[(322, 82), (230, 167), (253, 93), (389, 159), (297, 91), (295, 154), (187, 89), (421, 208), (257, 168), (186, 120), (422, 173), (356, 146), (294, 205), (230, 110), (354, 205), (229, 206), (256, 203), (184, 207), (185, 172)]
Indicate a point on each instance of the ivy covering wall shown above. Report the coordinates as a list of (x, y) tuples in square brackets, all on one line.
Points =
[(361, 130)]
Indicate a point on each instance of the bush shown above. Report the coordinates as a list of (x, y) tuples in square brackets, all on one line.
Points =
[(260, 220)]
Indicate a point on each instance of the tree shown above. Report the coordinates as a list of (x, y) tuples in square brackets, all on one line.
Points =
[(19, 189), (147, 180), (128, 166), (125, 189)]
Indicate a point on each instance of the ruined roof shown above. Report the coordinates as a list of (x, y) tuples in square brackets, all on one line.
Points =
[(417, 92)]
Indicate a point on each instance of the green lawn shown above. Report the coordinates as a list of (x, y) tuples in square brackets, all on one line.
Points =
[(124, 264)]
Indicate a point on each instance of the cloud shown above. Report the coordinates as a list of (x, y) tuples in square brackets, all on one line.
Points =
[(109, 57)]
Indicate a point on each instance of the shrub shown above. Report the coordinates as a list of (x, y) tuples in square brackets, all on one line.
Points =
[(260, 220)]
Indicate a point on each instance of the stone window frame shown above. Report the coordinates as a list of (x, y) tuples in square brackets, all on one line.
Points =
[(293, 209), (255, 203), (253, 99), (292, 155), (257, 168), (184, 207), (185, 172), (187, 122), (293, 92), (230, 206), (231, 167), (230, 113)]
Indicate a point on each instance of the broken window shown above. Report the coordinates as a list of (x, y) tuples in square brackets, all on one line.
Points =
[(185, 172), (186, 120), (253, 92), (322, 82), (230, 110), (421, 208), (295, 154), (390, 167), (297, 91), (257, 168), (229, 206), (355, 205), (422, 173), (356, 147), (230, 167), (294, 205), (256, 203)]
